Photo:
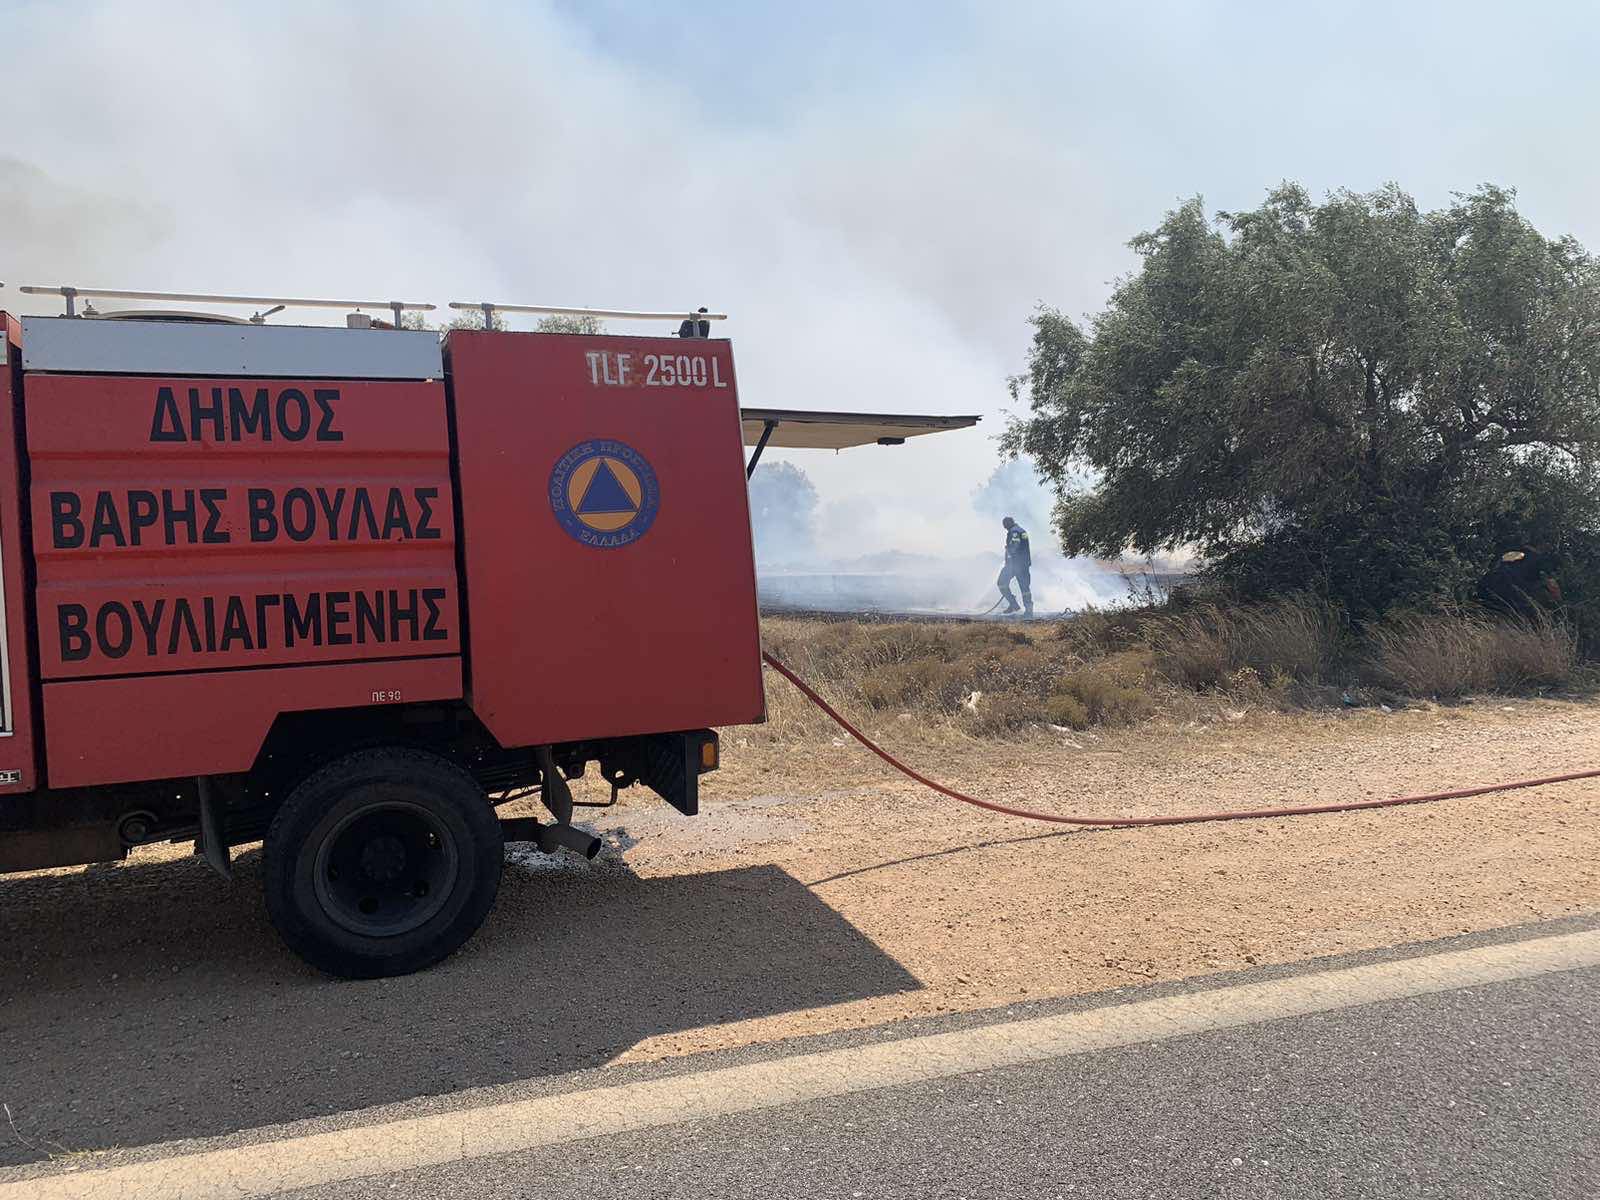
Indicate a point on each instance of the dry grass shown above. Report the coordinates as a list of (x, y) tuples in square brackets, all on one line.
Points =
[(1449, 655), (944, 681), (1295, 640), (981, 678), (939, 681)]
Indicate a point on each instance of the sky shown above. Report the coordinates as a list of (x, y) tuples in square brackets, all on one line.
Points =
[(878, 194)]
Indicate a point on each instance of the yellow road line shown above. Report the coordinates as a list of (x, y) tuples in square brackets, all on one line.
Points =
[(412, 1143)]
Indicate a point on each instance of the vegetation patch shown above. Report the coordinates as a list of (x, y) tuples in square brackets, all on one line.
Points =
[(1449, 655), (1103, 669)]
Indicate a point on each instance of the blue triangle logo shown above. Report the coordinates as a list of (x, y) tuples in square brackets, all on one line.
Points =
[(605, 494)]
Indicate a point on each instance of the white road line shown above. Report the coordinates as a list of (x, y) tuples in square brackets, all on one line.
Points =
[(412, 1143)]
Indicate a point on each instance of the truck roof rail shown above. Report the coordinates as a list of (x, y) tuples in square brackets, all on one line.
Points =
[(489, 307), (70, 295)]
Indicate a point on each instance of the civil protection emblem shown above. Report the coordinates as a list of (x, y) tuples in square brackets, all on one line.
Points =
[(604, 493)]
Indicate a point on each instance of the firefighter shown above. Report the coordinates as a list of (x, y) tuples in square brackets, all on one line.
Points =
[(692, 328), (1521, 583), (1019, 566)]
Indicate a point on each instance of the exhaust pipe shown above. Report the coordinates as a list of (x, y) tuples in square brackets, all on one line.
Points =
[(556, 837)]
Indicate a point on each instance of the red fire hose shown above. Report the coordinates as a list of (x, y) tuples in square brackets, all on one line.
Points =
[(1183, 819)]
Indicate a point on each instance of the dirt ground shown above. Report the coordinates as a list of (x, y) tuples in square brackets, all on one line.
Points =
[(985, 910), (147, 1000)]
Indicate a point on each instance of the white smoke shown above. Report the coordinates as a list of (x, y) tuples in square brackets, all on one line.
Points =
[(783, 514), (524, 152), (77, 225), (797, 570), (879, 194)]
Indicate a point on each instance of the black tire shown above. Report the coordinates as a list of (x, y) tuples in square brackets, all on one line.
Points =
[(382, 863)]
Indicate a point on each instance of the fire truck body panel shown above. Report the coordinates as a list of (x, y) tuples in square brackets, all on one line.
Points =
[(205, 553), (609, 570), (123, 730), (222, 525), (18, 749)]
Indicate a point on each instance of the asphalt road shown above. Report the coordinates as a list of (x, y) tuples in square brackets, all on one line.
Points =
[(1490, 1091), (1380, 1075)]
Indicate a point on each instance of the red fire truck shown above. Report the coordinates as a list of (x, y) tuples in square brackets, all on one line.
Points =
[(343, 590)]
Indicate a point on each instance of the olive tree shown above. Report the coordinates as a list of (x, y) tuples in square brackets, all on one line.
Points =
[(1352, 396)]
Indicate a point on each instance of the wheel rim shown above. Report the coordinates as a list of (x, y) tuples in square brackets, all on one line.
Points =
[(386, 869)]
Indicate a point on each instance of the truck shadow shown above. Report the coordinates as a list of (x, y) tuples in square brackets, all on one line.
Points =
[(150, 1001)]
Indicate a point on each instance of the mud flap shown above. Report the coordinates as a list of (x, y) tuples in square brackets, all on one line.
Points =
[(670, 765), (211, 845)]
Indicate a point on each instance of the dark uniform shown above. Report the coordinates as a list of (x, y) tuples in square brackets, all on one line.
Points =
[(1019, 566), (692, 328), (1520, 584)]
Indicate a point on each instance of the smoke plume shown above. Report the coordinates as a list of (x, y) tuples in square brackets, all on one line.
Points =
[(796, 571)]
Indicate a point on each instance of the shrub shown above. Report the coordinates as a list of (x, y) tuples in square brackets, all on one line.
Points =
[(943, 685), (1097, 631), (966, 638), (1068, 710), (888, 686), (1022, 670), (1114, 691), (1000, 714)]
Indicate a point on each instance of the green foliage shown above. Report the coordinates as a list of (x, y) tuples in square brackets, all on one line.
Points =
[(1353, 398), (472, 319), (569, 324)]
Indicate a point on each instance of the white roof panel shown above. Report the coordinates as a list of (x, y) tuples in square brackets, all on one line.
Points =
[(81, 345)]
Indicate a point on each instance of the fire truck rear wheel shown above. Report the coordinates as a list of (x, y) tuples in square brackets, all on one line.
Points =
[(382, 863)]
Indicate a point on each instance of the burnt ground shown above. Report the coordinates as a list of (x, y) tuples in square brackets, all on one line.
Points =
[(890, 616)]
